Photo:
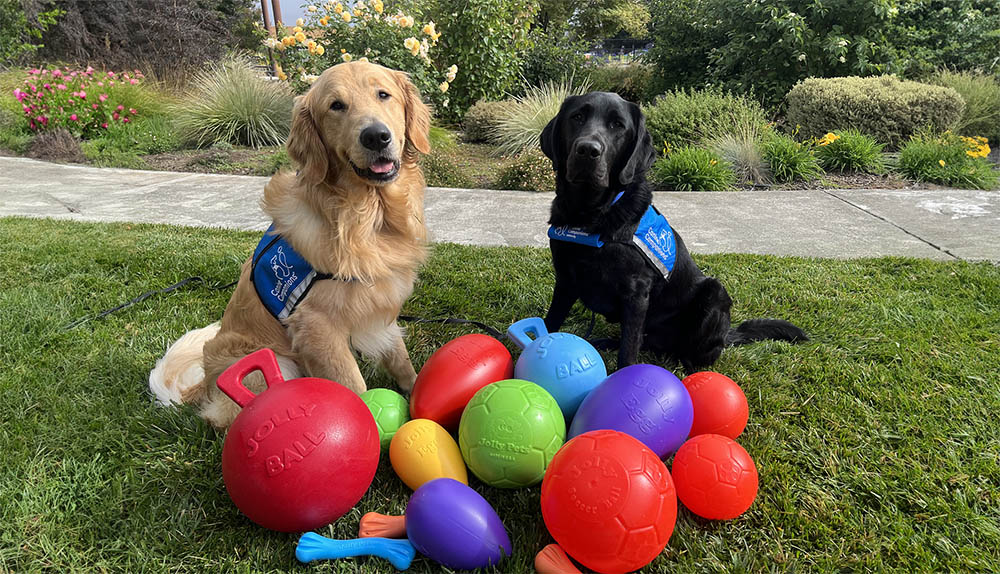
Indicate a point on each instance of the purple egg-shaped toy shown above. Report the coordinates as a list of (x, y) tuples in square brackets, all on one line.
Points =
[(452, 524), (645, 401)]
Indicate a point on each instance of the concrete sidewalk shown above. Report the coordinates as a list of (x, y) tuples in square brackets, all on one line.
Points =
[(937, 224)]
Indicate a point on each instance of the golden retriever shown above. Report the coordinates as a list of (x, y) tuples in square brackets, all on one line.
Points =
[(353, 210)]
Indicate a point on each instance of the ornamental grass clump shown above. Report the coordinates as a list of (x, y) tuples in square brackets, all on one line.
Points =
[(849, 150), (741, 148), (790, 160), (520, 128), (229, 102), (83, 102), (949, 159), (692, 169)]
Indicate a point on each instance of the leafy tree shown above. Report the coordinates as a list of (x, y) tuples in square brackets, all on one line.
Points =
[(958, 34), (18, 37), (597, 19)]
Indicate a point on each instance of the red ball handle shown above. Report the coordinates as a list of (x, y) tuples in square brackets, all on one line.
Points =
[(231, 380)]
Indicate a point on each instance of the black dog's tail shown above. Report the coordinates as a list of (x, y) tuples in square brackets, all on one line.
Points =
[(763, 329)]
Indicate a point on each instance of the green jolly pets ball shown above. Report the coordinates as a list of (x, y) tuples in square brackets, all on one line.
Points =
[(390, 410), (509, 432)]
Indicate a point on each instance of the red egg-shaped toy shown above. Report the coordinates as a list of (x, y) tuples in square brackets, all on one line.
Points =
[(608, 501), (720, 407), (453, 374), (715, 477), (301, 453)]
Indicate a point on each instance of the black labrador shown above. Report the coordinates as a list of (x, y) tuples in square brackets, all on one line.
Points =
[(600, 150)]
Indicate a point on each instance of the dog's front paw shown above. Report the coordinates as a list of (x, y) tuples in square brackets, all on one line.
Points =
[(406, 382)]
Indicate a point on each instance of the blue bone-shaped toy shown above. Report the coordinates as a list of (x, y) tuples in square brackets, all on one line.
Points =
[(312, 546)]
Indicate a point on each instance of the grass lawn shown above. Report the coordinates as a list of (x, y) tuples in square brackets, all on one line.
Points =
[(877, 442)]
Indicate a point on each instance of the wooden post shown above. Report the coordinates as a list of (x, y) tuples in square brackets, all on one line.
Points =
[(271, 32), (276, 4)]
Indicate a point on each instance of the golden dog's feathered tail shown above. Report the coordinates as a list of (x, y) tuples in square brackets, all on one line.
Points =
[(181, 367)]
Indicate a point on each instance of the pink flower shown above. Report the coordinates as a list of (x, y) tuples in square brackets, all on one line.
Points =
[(114, 116), (133, 81), (56, 73), (47, 86), (31, 124), (61, 87), (102, 97), (101, 84), (120, 107), (33, 72), (125, 120), (90, 70), (104, 125), (94, 106), (132, 111), (19, 94), (83, 95), (111, 83), (73, 117), (111, 74), (26, 109)]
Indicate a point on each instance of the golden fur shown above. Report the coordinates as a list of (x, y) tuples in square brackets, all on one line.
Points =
[(344, 224)]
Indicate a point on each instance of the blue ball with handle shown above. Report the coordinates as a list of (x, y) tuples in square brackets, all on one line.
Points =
[(565, 365)]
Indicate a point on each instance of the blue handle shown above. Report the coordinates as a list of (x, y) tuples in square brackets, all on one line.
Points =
[(312, 546), (519, 332)]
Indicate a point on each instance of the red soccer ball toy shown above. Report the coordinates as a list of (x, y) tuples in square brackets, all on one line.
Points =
[(720, 407), (715, 477), (301, 453), (608, 501)]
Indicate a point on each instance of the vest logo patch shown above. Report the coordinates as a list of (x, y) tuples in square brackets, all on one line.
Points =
[(284, 274)]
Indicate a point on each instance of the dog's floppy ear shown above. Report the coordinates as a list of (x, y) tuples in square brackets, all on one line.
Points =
[(643, 153), (552, 136), (418, 116), (305, 145)]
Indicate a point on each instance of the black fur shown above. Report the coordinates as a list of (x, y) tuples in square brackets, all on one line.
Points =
[(599, 146)]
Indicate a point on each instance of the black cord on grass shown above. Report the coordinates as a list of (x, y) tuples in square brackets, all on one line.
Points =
[(196, 279), (143, 297)]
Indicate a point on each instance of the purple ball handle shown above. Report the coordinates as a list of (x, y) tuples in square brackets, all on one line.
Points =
[(519, 332), (312, 546)]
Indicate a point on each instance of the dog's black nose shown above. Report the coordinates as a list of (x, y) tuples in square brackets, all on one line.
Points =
[(589, 148), (376, 136)]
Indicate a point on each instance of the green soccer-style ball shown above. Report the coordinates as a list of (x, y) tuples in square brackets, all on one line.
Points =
[(509, 432), (390, 410)]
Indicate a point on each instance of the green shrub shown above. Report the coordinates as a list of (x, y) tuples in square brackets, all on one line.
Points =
[(741, 149), (790, 160), (885, 107), (632, 81), (850, 150), (520, 128), (230, 102), (552, 56), (950, 160), (981, 93), (682, 117), (530, 171), (692, 169), (481, 120), (441, 169)]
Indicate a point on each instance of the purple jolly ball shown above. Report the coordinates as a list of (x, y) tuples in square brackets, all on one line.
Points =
[(645, 401), (452, 524)]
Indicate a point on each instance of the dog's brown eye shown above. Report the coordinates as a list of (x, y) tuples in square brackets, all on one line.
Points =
[(383, 95), (577, 117), (337, 106), (617, 124)]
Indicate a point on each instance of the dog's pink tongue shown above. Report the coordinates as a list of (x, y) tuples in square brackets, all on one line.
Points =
[(381, 166)]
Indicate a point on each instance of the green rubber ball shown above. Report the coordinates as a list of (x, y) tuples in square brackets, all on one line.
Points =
[(390, 410), (509, 432)]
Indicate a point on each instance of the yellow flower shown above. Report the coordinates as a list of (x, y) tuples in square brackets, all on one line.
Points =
[(429, 28), (405, 21), (346, 16), (412, 44), (343, 50), (323, 21), (941, 161), (379, 7), (358, 13), (346, 57), (312, 8), (363, 59), (311, 44), (319, 50), (296, 29), (299, 23), (300, 37), (280, 72), (338, 8), (443, 87), (713, 162)]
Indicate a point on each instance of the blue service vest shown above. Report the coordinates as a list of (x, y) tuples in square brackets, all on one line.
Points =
[(654, 237), (281, 276)]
